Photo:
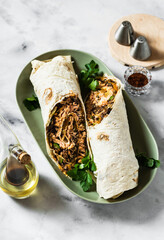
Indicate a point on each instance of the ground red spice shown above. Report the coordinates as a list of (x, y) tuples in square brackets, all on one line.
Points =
[(137, 80)]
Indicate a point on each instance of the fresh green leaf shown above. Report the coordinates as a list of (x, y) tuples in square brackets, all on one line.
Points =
[(84, 186), (56, 145), (82, 175), (92, 67), (85, 160), (89, 80), (157, 164), (82, 166), (88, 77), (73, 174), (33, 98), (84, 75), (86, 183), (144, 161), (150, 162), (93, 85), (31, 103), (89, 178), (93, 166), (80, 172), (76, 165)]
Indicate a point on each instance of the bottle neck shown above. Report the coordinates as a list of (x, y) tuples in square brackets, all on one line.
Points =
[(22, 156)]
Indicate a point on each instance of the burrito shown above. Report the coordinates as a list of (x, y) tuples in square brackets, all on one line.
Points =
[(109, 136), (57, 88)]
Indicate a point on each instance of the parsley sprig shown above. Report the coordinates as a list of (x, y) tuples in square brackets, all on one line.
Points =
[(82, 172), (88, 77), (144, 161), (31, 103)]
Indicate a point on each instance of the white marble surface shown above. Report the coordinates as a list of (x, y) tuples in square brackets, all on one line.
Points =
[(28, 29)]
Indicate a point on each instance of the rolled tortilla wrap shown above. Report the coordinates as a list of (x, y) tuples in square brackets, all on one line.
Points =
[(56, 86), (117, 167)]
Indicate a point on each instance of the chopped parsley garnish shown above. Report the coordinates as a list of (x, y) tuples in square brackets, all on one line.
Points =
[(56, 145), (88, 77), (81, 172), (111, 98), (147, 162), (60, 159), (31, 103)]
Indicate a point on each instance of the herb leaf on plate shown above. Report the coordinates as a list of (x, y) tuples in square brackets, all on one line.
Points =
[(93, 85), (144, 161), (31, 103), (82, 172), (86, 182), (88, 76)]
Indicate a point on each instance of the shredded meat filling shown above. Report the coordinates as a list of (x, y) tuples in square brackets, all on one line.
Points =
[(99, 103), (67, 133)]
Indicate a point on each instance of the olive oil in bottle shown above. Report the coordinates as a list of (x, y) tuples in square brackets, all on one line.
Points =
[(18, 175)]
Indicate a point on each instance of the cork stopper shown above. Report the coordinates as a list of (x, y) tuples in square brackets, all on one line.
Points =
[(24, 158), (20, 154)]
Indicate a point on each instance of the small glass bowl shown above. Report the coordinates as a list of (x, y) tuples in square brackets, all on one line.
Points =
[(137, 91)]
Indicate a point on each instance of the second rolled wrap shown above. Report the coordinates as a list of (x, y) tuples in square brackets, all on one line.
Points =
[(109, 136)]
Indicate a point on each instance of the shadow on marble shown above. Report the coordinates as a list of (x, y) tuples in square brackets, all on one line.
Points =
[(156, 94), (143, 208), (50, 200), (46, 198), (158, 68)]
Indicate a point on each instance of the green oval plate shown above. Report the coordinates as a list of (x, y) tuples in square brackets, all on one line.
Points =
[(142, 138)]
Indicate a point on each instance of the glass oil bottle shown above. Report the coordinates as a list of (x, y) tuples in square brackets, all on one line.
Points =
[(18, 175)]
